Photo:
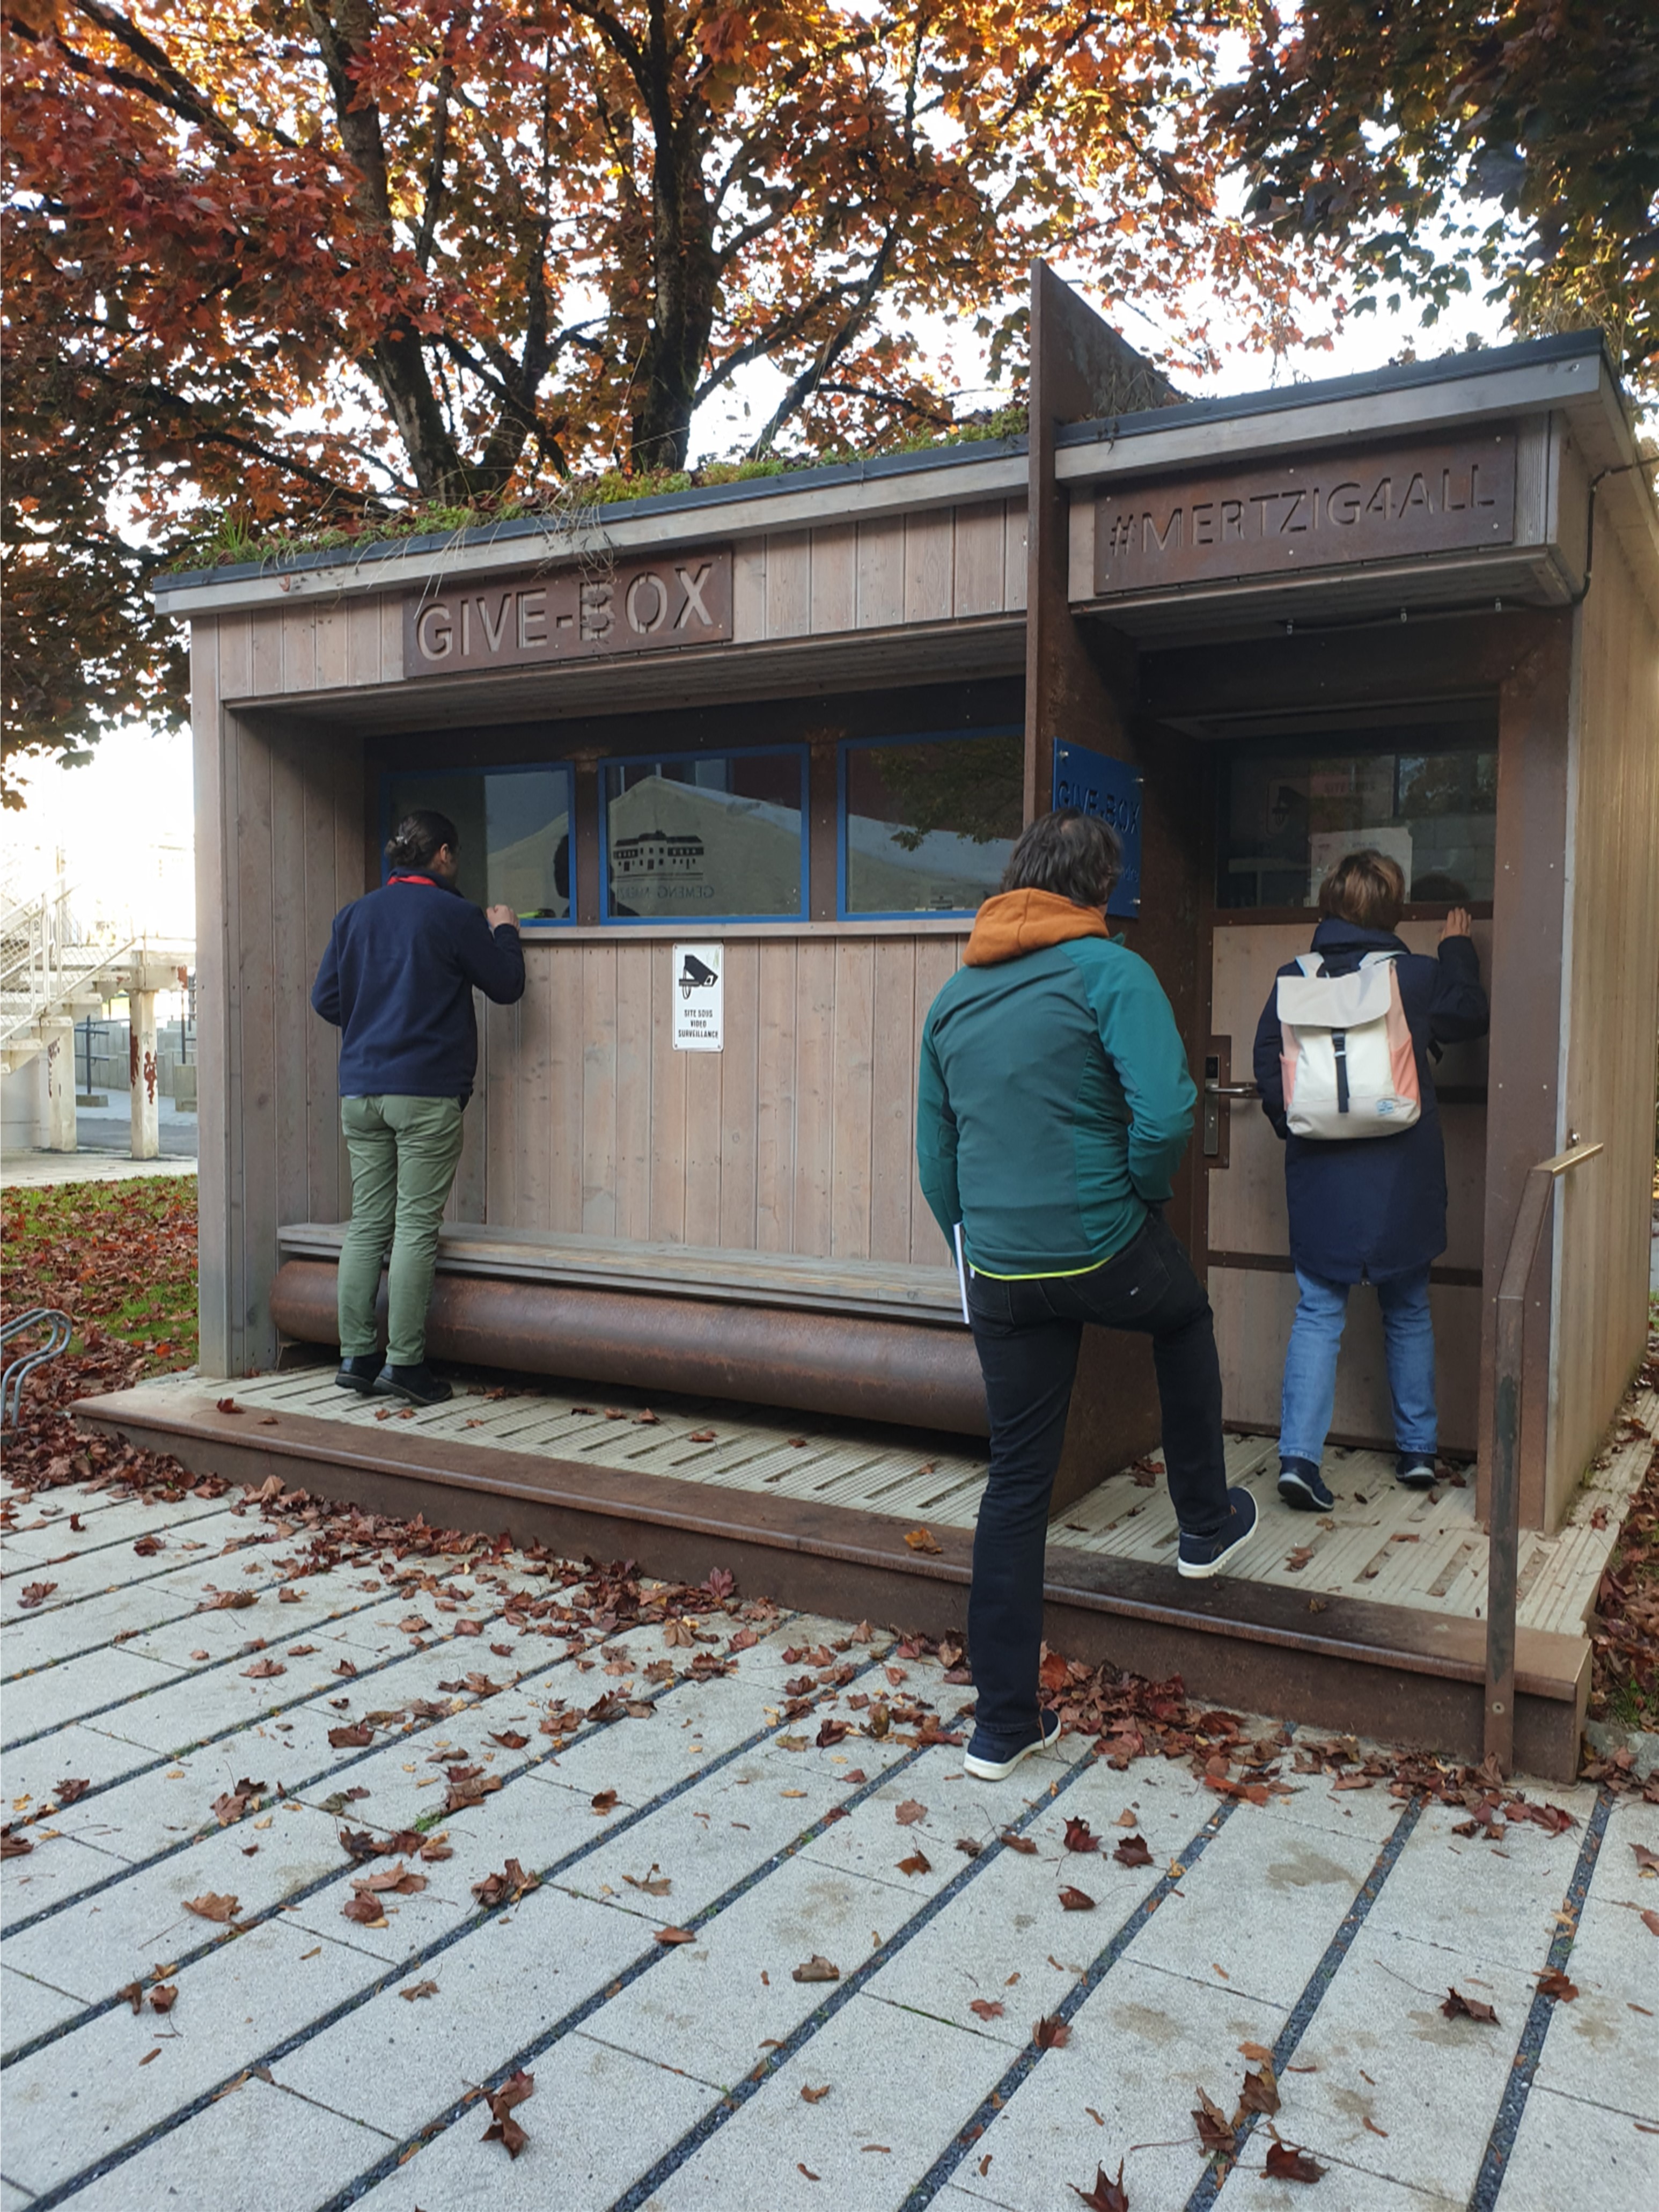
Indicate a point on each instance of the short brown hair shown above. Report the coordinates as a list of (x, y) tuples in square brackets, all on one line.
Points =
[(1073, 854), (1365, 888)]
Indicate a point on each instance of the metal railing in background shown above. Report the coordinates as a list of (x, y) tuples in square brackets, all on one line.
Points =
[(1504, 1512)]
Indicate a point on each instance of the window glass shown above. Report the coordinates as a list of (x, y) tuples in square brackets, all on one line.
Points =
[(927, 824), (706, 837), (1289, 813), (515, 825)]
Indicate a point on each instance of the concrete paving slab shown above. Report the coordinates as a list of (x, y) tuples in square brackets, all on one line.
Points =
[(1475, 1899), (1435, 2084), (1563, 2142), (1600, 2047), (80, 1688), (56, 1867), (1356, 2190), (97, 1945), (1618, 1876), (88, 2093), (109, 1522), (133, 1610), (1139, 2044), (578, 2158), (253, 2151), (396, 2062), (30, 1775), (29, 2008), (12, 2199), (899, 2083)]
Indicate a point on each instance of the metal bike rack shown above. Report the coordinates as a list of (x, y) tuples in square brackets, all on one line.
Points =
[(1503, 1525), (60, 1328)]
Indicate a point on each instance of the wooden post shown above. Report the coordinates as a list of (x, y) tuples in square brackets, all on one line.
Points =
[(59, 1036), (141, 1075)]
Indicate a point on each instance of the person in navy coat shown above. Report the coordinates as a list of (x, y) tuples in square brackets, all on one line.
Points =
[(1368, 1209)]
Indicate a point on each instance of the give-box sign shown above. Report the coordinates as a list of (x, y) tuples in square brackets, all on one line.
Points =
[(582, 613)]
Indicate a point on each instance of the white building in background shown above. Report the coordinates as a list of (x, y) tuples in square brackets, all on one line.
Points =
[(98, 922)]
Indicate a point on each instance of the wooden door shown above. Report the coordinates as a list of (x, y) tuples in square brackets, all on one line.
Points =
[(1252, 1286)]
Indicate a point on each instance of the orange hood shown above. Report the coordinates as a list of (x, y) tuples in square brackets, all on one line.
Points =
[(1017, 922)]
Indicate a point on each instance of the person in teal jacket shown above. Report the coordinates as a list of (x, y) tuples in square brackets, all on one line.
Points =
[(1054, 1105)]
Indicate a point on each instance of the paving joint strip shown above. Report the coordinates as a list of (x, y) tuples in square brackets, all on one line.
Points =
[(734, 2099), (1501, 2142), (45, 2199), (309, 1889), (1314, 1995), (968, 2138)]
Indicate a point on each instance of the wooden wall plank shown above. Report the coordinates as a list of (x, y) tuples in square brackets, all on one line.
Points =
[(739, 1095), (503, 1101), (667, 1109), (979, 579), (254, 1196), (1013, 553), (598, 1090), (634, 1019), (392, 639), (291, 1014), (775, 1097), (469, 1198), (929, 542), (815, 1079), (850, 1115), (534, 1075), (212, 645), (748, 592), (896, 1037), (327, 1197), (835, 577), (266, 658), (363, 640), (880, 573), (563, 1136), (299, 649), (789, 583), (702, 1145), (334, 645)]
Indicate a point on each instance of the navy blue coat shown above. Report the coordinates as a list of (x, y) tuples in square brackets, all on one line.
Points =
[(1366, 1208), (398, 978)]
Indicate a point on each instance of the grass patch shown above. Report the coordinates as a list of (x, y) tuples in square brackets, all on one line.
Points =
[(118, 1258)]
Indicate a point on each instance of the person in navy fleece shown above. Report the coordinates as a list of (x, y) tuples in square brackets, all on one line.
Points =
[(398, 980), (1368, 1209)]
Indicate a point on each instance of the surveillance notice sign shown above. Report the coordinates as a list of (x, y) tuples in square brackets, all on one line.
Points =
[(699, 998)]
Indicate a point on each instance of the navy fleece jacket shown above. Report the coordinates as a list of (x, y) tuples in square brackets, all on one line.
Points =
[(397, 979), (1363, 1209)]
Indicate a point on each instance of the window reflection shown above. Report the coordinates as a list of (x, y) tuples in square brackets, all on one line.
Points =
[(708, 836), (514, 827), (927, 824)]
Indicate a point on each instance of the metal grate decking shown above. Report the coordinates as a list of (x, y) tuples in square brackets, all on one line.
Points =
[(1425, 1550)]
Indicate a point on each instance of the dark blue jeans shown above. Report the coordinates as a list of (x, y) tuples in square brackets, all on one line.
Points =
[(1027, 1334)]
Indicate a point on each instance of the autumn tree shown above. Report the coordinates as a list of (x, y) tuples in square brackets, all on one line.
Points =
[(1443, 143), (272, 266)]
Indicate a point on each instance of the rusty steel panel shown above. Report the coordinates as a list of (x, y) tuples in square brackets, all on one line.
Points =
[(1308, 511), (871, 1371), (589, 612)]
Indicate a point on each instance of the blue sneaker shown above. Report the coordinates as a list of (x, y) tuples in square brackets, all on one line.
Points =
[(1301, 1485), (1199, 1556), (1415, 1469), (987, 1761)]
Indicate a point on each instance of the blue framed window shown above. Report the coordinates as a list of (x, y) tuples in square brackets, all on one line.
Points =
[(514, 827), (712, 837), (927, 823)]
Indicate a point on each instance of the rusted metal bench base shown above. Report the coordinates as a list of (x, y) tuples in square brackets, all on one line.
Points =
[(1392, 1672)]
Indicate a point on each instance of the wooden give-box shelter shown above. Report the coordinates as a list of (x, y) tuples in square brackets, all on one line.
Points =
[(745, 758)]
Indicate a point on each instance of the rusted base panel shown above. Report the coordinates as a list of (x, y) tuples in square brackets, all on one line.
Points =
[(1404, 1675)]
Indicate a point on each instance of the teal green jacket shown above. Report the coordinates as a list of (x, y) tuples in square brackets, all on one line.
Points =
[(1054, 1099)]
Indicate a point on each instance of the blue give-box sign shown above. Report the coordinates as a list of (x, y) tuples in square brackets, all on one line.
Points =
[(1110, 789)]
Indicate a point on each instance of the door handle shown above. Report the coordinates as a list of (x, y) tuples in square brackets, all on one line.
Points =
[(1231, 1091)]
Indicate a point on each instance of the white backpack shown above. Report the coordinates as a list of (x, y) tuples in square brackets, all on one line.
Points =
[(1349, 1069)]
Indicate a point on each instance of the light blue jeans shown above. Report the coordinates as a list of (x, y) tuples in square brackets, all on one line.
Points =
[(1310, 1364)]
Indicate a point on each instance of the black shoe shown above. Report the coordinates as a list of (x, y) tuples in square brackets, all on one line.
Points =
[(1415, 1469), (419, 1385), (360, 1374), (994, 1762), (1302, 1485), (1199, 1556)]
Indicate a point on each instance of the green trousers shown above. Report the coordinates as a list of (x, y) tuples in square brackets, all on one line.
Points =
[(403, 1153)]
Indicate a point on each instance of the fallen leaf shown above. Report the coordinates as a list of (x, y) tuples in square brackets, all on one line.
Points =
[(814, 2096), (33, 1593), (1260, 2092), (262, 1670), (154, 2051), (604, 1802), (701, 1437), (968, 1846), (1106, 2195), (147, 1547), (1372, 2128), (1080, 1837), (1077, 1900), (134, 1994), (1469, 2007), (226, 1406), (674, 1936), (806, 2170), (352, 1736), (1023, 1845), (503, 2128), (1647, 1862), (164, 1996), (510, 1740), (1257, 2053), (1555, 1984), (817, 1969), (1284, 2164), (1215, 2130), (1134, 1851), (922, 1539), (986, 2008), (1051, 2034), (510, 1886), (1650, 1922), (67, 1790), (909, 1811), (419, 1990), (1299, 1558), (208, 1906), (654, 1884)]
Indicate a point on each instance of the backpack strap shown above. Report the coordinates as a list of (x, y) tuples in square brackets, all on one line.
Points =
[(1310, 963), (1377, 959)]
